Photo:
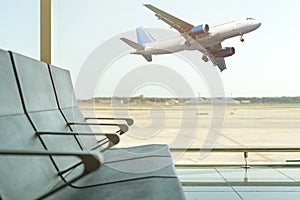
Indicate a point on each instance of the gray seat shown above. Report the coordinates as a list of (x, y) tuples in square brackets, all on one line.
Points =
[(67, 103), (127, 165), (40, 104), (121, 165), (30, 107), (22, 177), (144, 172)]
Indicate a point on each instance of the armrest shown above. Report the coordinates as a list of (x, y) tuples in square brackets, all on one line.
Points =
[(91, 161), (123, 127), (129, 121), (114, 138)]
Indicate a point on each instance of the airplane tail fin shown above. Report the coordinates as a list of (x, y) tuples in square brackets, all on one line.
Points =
[(143, 36)]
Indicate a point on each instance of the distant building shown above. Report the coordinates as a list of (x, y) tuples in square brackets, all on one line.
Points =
[(172, 102), (245, 101), (192, 102), (220, 100)]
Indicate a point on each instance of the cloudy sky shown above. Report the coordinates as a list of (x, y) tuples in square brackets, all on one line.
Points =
[(264, 65)]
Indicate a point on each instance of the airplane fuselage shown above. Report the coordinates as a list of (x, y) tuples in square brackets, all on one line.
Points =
[(216, 35), (203, 38)]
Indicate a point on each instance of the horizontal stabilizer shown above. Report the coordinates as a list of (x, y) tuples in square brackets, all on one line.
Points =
[(132, 44), (148, 57)]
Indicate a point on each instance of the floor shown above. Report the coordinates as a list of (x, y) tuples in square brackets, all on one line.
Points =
[(240, 183)]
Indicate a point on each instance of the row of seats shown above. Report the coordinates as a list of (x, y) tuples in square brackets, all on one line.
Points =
[(48, 151)]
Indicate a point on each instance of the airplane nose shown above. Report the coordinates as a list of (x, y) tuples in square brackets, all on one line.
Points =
[(257, 24)]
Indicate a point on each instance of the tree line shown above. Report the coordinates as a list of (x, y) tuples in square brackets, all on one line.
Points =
[(252, 100)]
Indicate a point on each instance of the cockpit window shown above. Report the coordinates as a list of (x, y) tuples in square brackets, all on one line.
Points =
[(249, 18)]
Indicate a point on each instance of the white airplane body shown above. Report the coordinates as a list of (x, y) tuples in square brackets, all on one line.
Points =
[(202, 38)]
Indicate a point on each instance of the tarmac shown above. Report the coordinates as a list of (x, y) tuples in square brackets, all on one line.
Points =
[(244, 125)]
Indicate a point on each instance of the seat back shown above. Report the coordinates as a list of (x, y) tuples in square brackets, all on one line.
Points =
[(41, 106), (67, 103), (25, 177)]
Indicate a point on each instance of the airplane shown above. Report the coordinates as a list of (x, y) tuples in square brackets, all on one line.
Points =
[(203, 38)]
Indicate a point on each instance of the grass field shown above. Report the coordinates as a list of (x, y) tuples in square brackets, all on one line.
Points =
[(244, 125)]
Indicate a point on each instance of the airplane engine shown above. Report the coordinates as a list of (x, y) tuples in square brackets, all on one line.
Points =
[(199, 30), (222, 53)]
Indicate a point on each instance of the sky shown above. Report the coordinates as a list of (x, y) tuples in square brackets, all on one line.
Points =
[(264, 65)]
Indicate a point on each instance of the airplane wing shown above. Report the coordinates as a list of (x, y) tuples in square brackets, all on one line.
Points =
[(184, 27), (174, 22), (220, 62)]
